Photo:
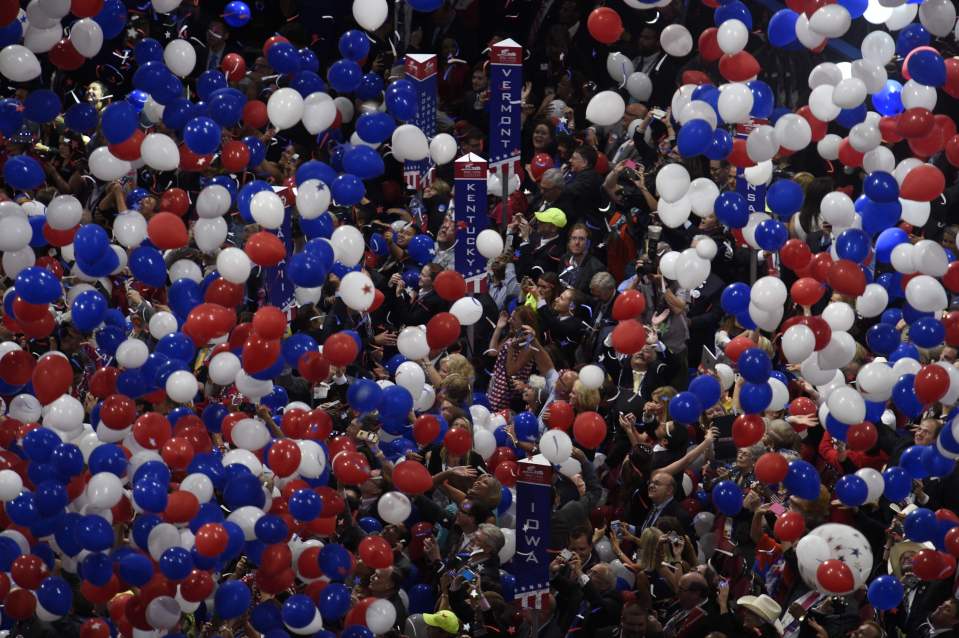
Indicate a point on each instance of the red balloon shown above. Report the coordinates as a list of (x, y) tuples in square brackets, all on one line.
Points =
[(235, 156), (376, 552), (806, 291), (284, 457), (340, 349), (952, 150), (931, 384), (175, 201), (928, 564), (709, 49), (507, 472), (25, 311), (85, 8), (28, 571), (65, 57), (118, 411), (352, 468), (425, 429), (225, 293), (819, 266), (605, 25), (458, 441), (181, 507), (915, 123), (271, 41), (265, 249), (952, 541), (748, 429), (177, 452), (313, 366), (411, 477), (450, 285), (849, 155), (835, 576), (630, 304), (233, 66), (52, 376), (589, 430), (771, 468), (739, 157), (260, 353), (847, 277), (152, 430), (928, 145), (820, 329), (16, 367), (95, 627), (442, 330), (9, 10), (378, 299), (129, 149), (269, 322), (191, 162), (308, 563), (861, 436), (58, 237), (167, 231), (818, 127), (254, 114), (629, 336), (103, 383), (560, 416), (20, 604), (540, 163), (789, 527), (889, 128), (738, 67), (923, 183), (198, 585), (737, 346)]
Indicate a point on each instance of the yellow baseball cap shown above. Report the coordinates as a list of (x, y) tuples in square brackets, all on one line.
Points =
[(444, 619), (553, 216)]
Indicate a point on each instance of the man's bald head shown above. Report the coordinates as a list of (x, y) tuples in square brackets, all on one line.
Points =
[(602, 575)]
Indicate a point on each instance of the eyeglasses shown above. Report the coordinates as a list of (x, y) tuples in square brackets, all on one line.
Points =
[(659, 483)]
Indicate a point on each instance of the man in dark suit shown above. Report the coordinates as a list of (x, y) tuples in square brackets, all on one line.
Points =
[(942, 622), (662, 488), (704, 313), (541, 251), (218, 45), (578, 265), (582, 192)]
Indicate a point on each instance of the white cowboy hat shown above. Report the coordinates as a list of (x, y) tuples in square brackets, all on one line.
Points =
[(764, 607)]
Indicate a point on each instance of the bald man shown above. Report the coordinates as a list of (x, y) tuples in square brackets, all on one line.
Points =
[(594, 596), (689, 617)]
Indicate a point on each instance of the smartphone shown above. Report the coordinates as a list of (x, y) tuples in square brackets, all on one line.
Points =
[(777, 508), (659, 114), (468, 575), (566, 555), (630, 164)]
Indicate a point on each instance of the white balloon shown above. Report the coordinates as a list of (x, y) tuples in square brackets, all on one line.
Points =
[(484, 443), (348, 246), (798, 343), (706, 248), (726, 375), (18, 63), (904, 167), (161, 324), (735, 102), (915, 213), (825, 73), (15, 233), (64, 212), (667, 264), (769, 293), (692, 270), (619, 67), (811, 551), (312, 459), (915, 95), (42, 40), (250, 434), (872, 301), (811, 372), (224, 368), (902, 258), (159, 152), (443, 149), (132, 353), (682, 97), (254, 389), (394, 507), (698, 110), (875, 381), (10, 485), (410, 375), (930, 258), (509, 548), (881, 159), (839, 315), (370, 14), (938, 17), (409, 143), (104, 490), (64, 414), (16, 261), (828, 146), (761, 173), (357, 291), (233, 265), (285, 108), (926, 294), (163, 612), (54, 9), (105, 166), (592, 376), (676, 40), (702, 195), (673, 215), (821, 103), (952, 394), (901, 16), (245, 458), (412, 343), (199, 485), (606, 108), (877, 13), (905, 365), (849, 93), (878, 47), (780, 395), (181, 386), (165, 6), (838, 352), (467, 310), (639, 86), (732, 36), (213, 201), (162, 537), (847, 405), (180, 57), (793, 131), (209, 234), (246, 517), (806, 36), (312, 199), (765, 319), (672, 182), (489, 244), (380, 616), (831, 21), (267, 210), (345, 108), (873, 75), (319, 112), (556, 446)]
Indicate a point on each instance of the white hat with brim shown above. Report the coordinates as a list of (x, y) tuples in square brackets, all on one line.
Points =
[(764, 607)]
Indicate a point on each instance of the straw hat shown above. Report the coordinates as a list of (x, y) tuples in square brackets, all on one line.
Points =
[(764, 607)]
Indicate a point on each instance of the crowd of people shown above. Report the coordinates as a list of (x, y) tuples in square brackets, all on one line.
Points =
[(220, 422)]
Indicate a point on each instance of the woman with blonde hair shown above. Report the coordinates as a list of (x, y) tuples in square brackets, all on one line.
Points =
[(584, 399)]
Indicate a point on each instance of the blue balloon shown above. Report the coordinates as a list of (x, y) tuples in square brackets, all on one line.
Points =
[(226, 106), (755, 397), (298, 611), (802, 480), (81, 118), (913, 36), (735, 298), (887, 241), (880, 186), (56, 595), (526, 425), (148, 50), (396, 402), (937, 464), (88, 310), (920, 525), (850, 117), (347, 190), (426, 5), (284, 58), (295, 346), (707, 389), (721, 146), (202, 135), (112, 18), (782, 28), (344, 76), (147, 265), (904, 351), (176, 563), (422, 249), (727, 497), (885, 592), (852, 490), (734, 10), (763, 99), (96, 568), (306, 270), (364, 395), (694, 138), (335, 561), (42, 106), (784, 197), (305, 505), (150, 495), (11, 117), (877, 217), (118, 121), (232, 599), (371, 87), (927, 67), (897, 482), (307, 82), (754, 365), (731, 209), (93, 532), (11, 33), (309, 61), (236, 13), (334, 601), (37, 285), (401, 105), (208, 82), (853, 244), (685, 407), (904, 397), (23, 172), (888, 101), (422, 599), (364, 162), (855, 7), (356, 631), (315, 169), (370, 524), (927, 332), (771, 235), (354, 45)]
